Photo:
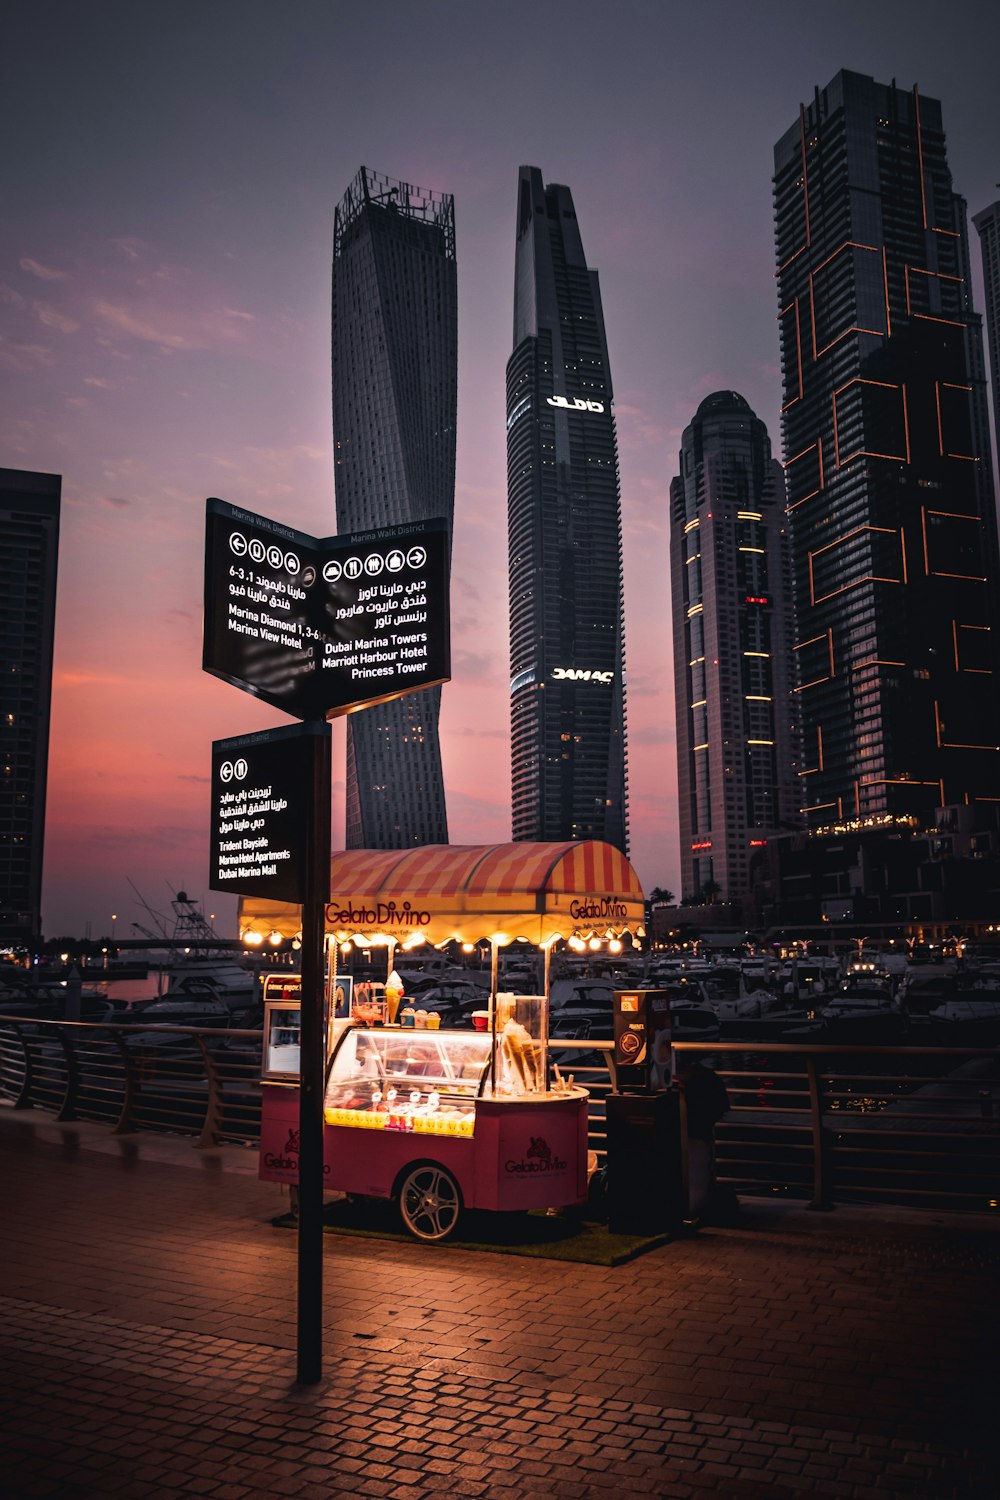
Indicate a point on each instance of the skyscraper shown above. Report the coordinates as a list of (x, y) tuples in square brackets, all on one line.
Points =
[(887, 461), (988, 224), (567, 665), (29, 544), (730, 575), (395, 393)]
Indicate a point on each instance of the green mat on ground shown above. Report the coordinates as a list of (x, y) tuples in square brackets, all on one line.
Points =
[(546, 1236)]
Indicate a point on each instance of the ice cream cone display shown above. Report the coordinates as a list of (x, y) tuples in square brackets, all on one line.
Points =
[(393, 996)]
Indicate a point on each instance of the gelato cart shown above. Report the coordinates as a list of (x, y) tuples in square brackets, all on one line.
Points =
[(442, 1120)]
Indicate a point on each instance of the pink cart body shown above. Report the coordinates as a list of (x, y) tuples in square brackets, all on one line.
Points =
[(523, 1154)]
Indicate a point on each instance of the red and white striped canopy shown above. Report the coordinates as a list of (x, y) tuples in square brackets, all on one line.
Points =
[(441, 891)]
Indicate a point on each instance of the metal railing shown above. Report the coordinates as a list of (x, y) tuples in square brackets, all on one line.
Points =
[(194, 1081), (914, 1126), (823, 1123)]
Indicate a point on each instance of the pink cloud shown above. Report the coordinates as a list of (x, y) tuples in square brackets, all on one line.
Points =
[(53, 318), (132, 247), (23, 357), (174, 329), (86, 679), (44, 273), (123, 321)]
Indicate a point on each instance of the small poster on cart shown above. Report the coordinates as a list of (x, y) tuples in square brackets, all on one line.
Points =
[(343, 992)]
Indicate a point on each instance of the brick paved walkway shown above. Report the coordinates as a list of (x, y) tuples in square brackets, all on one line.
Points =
[(148, 1330)]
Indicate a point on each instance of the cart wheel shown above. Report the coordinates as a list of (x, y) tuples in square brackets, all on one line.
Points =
[(429, 1201)]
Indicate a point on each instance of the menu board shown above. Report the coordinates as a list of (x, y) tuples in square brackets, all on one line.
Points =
[(322, 626), (260, 786)]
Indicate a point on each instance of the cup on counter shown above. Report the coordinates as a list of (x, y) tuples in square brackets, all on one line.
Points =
[(433, 1021), (481, 1020)]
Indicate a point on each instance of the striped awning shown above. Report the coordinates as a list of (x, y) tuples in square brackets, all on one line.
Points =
[(444, 891)]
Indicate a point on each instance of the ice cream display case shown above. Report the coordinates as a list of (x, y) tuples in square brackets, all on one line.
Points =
[(444, 1120)]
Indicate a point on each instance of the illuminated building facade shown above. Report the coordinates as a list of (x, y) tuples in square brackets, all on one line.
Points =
[(890, 495), (730, 575), (988, 224), (29, 544), (567, 691), (395, 393)]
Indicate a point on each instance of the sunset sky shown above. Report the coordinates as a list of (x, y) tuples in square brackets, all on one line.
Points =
[(169, 176)]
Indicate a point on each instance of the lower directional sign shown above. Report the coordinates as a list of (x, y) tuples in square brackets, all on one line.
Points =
[(260, 787)]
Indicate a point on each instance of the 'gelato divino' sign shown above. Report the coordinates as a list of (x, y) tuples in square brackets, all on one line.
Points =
[(321, 626)]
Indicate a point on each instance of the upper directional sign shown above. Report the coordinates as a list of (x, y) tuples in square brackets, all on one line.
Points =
[(322, 626)]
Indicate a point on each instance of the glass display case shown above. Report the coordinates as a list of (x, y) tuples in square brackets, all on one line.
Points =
[(282, 1025), (403, 1079), (522, 1046)]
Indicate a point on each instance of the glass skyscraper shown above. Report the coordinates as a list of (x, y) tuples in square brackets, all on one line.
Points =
[(730, 575), (29, 545), (395, 392), (567, 690), (890, 493), (987, 222)]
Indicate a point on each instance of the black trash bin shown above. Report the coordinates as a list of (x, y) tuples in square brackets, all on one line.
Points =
[(645, 1189)]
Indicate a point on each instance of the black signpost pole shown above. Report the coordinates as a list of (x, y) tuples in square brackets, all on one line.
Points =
[(317, 627), (312, 1061)]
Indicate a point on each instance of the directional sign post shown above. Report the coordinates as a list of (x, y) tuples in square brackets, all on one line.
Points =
[(309, 1302), (260, 794), (322, 626), (318, 627), (270, 837)]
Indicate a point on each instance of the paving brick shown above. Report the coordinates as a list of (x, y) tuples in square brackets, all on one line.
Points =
[(765, 1360)]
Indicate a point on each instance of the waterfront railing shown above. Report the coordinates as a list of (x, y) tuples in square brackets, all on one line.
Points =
[(824, 1123)]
